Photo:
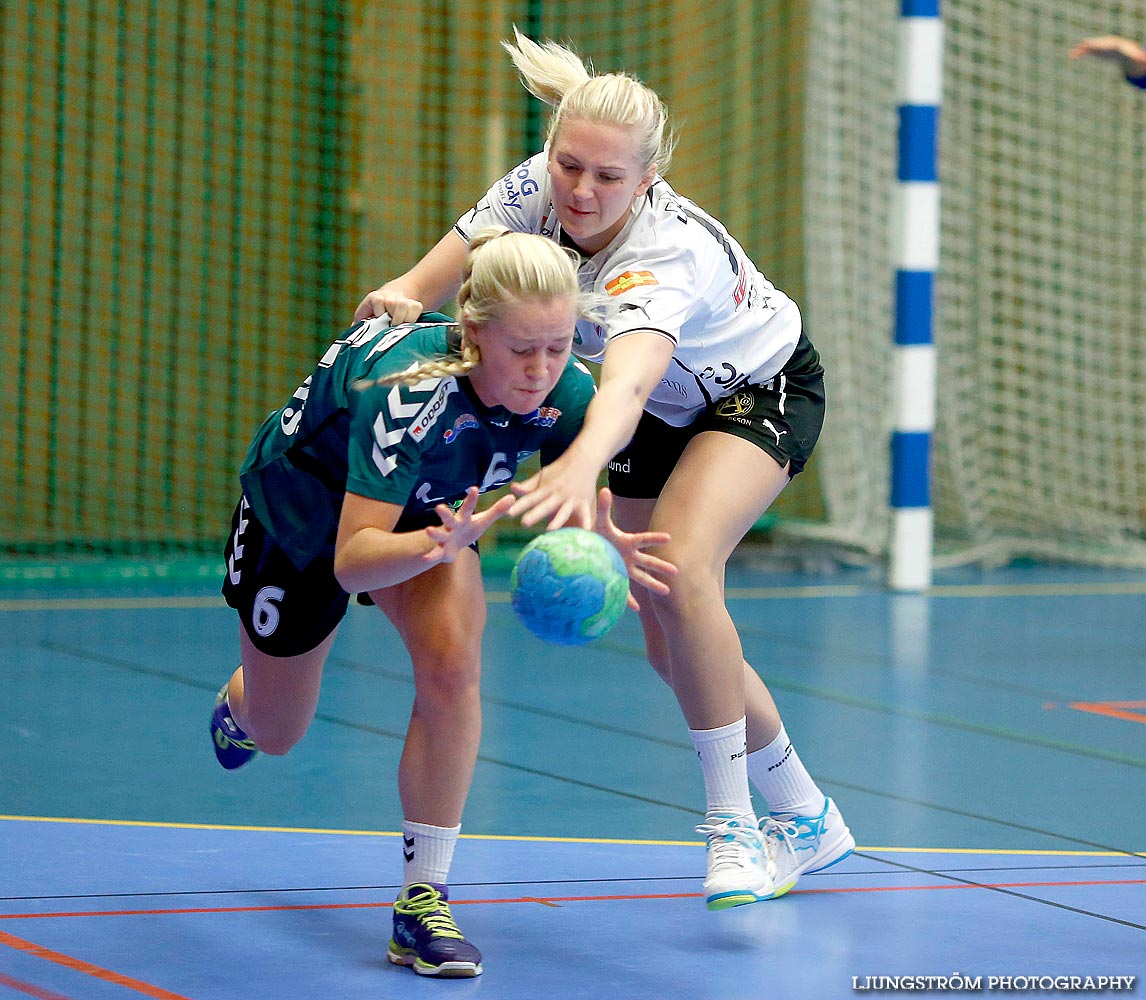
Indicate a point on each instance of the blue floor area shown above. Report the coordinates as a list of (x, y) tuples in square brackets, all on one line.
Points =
[(555, 918), (1002, 712)]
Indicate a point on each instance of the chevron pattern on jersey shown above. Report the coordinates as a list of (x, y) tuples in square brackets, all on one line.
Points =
[(409, 409)]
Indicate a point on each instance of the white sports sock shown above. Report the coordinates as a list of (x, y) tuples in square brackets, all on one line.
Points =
[(779, 774), (428, 852), (722, 755)]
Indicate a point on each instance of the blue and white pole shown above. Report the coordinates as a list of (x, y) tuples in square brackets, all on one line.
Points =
[(916, 244)]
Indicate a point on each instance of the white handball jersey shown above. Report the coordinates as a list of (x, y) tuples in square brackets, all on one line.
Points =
[(674, 270)]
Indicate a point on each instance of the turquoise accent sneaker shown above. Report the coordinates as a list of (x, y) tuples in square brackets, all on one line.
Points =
[(740, 866), (426, 937), (804, 845), (233, 748)]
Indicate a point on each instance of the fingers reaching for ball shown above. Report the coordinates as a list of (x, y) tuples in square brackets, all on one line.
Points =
[(644, 568)]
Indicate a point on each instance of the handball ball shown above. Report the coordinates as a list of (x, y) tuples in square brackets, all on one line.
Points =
[(569, 586)]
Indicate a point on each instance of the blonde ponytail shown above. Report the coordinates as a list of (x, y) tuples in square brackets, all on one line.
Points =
[(559, 77)]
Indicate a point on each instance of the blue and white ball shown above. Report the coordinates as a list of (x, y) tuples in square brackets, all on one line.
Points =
[(569, 586)]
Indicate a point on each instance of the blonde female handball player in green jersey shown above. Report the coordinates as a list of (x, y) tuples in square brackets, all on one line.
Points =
[(367, 481)]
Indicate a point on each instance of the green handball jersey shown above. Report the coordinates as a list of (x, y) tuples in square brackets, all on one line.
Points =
[(415, 446)]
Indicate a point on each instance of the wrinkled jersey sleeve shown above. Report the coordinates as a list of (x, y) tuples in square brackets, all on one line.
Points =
[(384, 458), (518, 201)]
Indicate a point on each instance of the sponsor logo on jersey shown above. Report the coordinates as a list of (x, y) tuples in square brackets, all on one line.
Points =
[(409, 409), (741, 288), (517, 185), (545, 416), (290, 416), (432, 410), (465, 422), (630, 279), (738, 404), (481, 206)]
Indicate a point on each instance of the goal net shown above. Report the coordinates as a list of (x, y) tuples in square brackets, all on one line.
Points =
[(1040, 442), (197, 195)]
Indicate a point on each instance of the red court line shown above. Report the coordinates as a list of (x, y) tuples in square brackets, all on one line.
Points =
[(1113, 709), (557, 900), (79, 965), (33, 991)]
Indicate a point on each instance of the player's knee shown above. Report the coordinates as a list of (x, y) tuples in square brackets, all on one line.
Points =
[(695, 586), (656, 647), (447, 684), (449, 667)]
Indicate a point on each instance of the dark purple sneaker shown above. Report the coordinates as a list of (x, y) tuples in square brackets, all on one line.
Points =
[(233, 747), (426, 937)]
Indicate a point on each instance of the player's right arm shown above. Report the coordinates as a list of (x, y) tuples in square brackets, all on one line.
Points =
[(564, 492), (428, 285), (516, 201), (1127, 54), (370, 555)]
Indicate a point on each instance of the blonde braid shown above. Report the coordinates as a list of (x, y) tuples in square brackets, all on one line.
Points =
[(443, 367)]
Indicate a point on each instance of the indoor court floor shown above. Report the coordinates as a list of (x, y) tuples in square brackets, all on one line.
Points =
[(986, 743)]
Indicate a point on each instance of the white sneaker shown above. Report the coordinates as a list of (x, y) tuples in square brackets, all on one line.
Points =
[(803, 845), (740, 868)]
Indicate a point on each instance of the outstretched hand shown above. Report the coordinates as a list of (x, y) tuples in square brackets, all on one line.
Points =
[(560, 494), (643, 567), (1129, 55), (462, 527)]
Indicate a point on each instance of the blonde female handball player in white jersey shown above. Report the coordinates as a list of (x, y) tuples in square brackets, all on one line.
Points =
[(711, 398)]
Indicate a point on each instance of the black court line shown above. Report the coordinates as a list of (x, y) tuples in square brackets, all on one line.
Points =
[(1010, 892), (333, 720), (882, 708), (946, 722), (967, 814), (994, 684), (544, 713), (901, 869)]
